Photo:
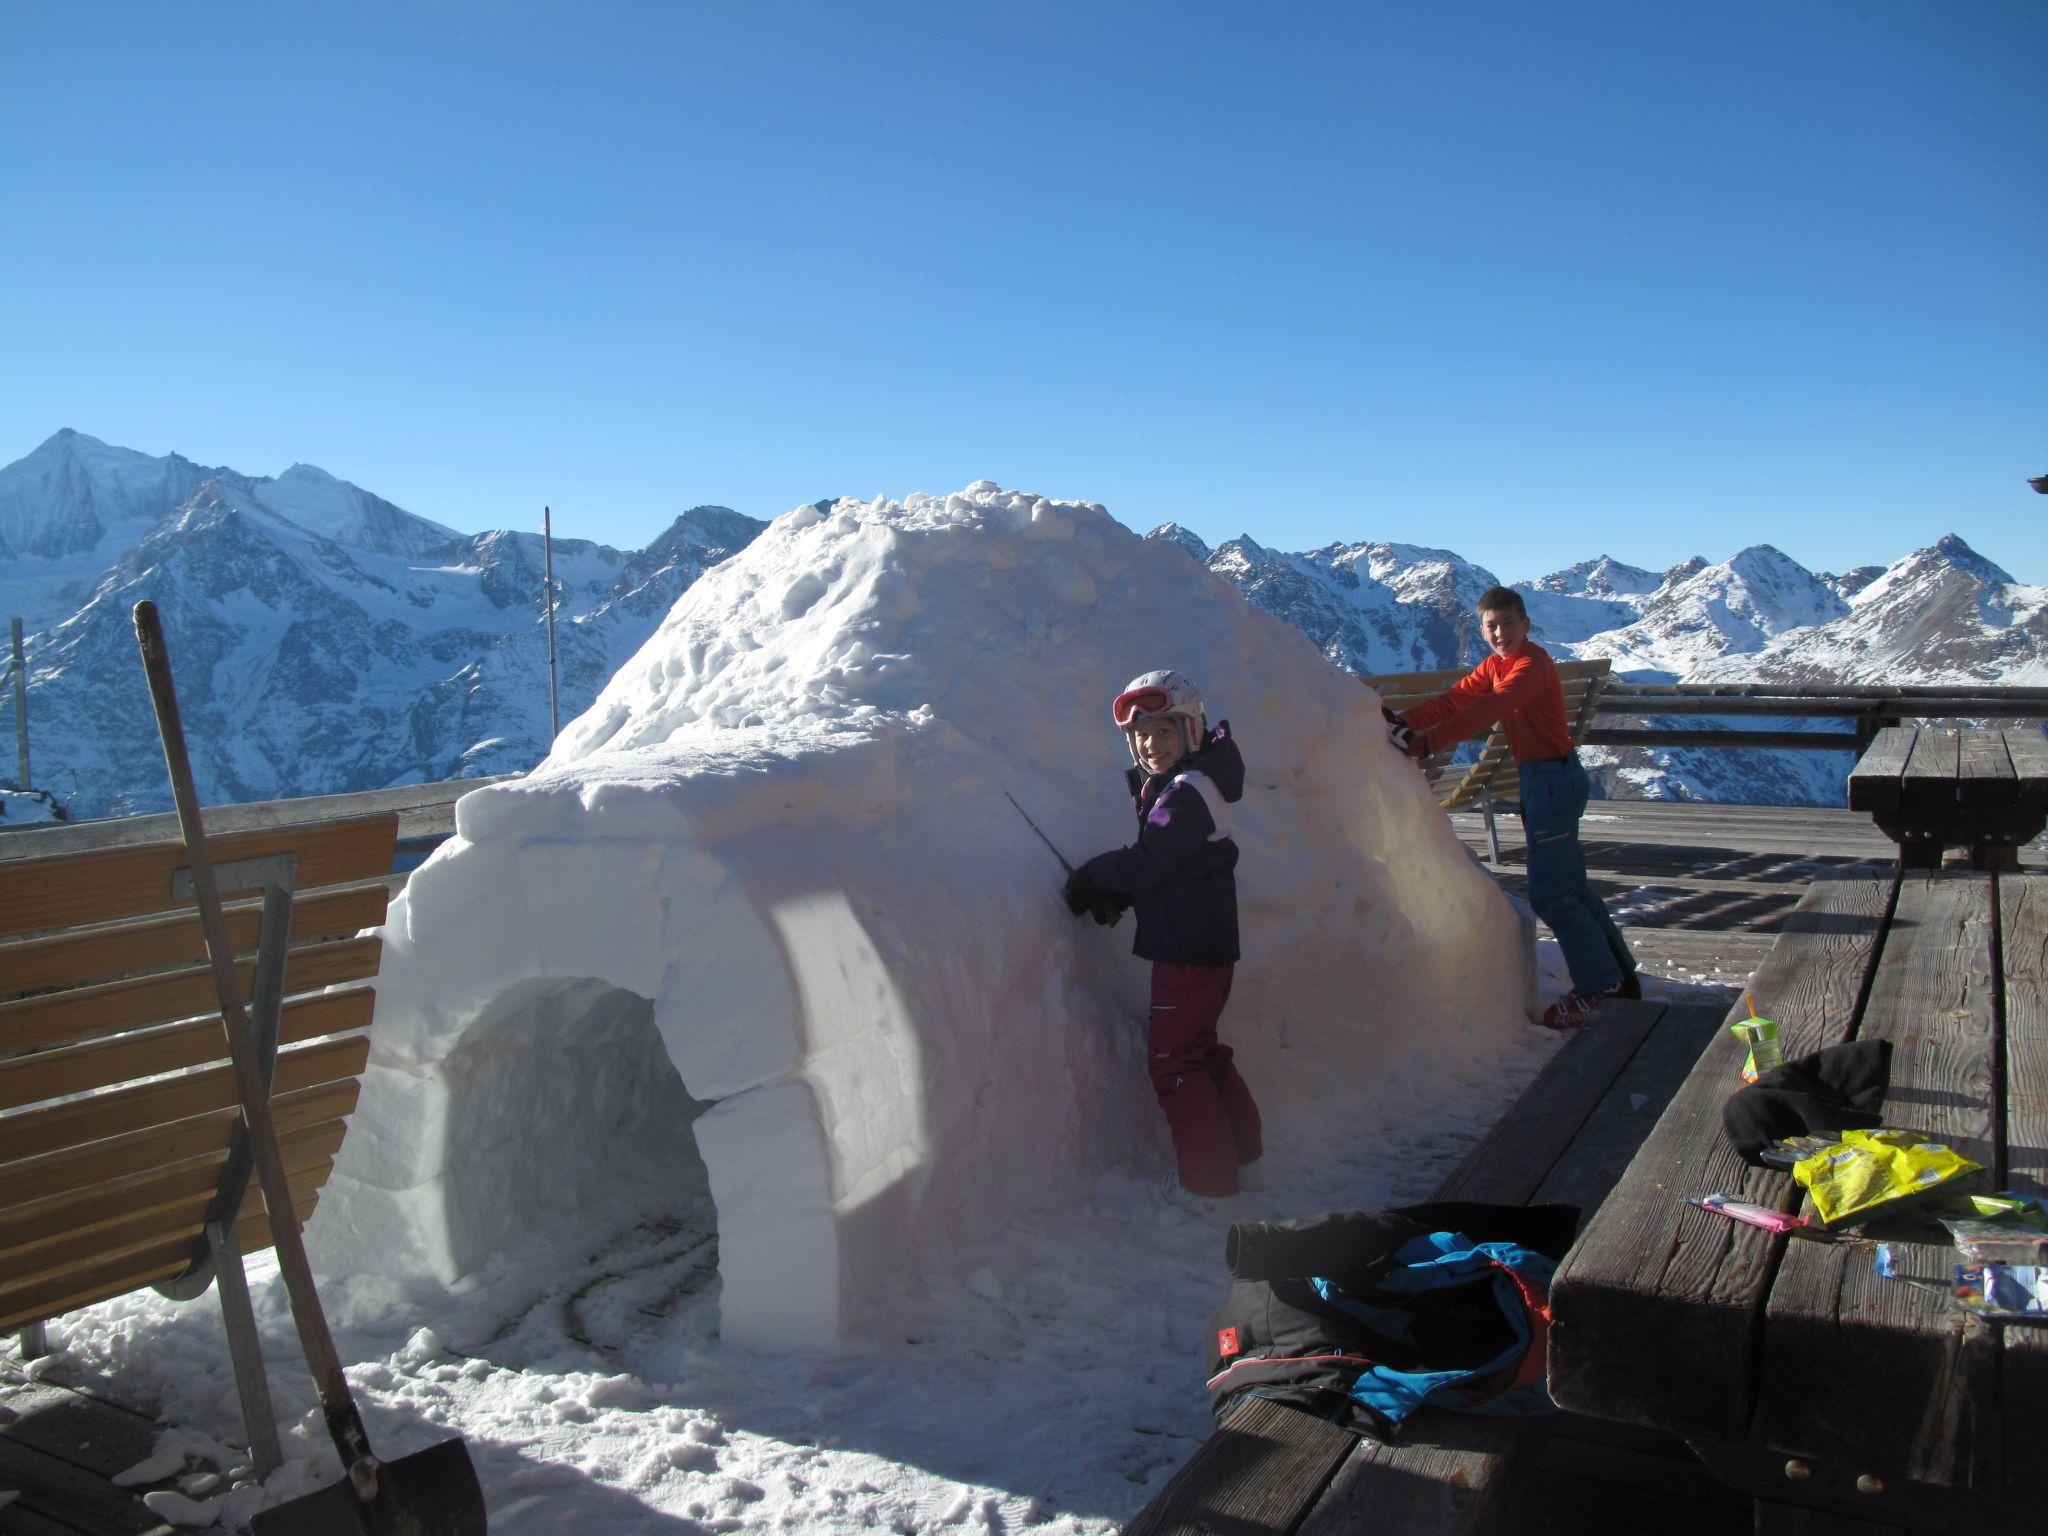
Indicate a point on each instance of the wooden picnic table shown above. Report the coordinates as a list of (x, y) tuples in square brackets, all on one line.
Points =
[(1927, 790), (1794, 1370)]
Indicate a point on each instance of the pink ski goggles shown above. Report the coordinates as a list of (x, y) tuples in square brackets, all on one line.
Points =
[(1140, 704)]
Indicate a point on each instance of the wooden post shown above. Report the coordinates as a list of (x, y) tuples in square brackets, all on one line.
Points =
[(20, 707), (547, 544)]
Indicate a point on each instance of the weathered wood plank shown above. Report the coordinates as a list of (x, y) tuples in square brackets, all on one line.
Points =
[(1874, 781), (2028, 749), (37, 1131), (1984, 768), (28, 1231), (2023, 934), (1927, 787), (75, 1069), (1449, 1473), (1630, 1109), (72, 959), (1515, 1157), (1256, 1476), (423, 811), (307, 1166), (43, 895), (1614, 1351), (138, 1154), (1855, 1359), (54, 1295), (90, 1433), (80, 1013), (67, 1499)]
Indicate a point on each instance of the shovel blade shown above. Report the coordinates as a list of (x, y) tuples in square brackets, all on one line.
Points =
[(429, 1493)]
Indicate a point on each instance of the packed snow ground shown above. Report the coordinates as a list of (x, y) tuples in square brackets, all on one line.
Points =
[(1053, 1385)]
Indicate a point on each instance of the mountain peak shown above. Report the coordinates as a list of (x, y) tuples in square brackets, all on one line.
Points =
[(1186, 538), (1951, 548), (1602, 576)]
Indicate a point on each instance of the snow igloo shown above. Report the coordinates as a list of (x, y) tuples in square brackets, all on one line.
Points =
[(769, 919)]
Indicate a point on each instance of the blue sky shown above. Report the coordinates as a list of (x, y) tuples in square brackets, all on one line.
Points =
[(1530, 281)]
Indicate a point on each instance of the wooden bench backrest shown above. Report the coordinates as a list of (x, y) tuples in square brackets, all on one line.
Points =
[(117, 1105), (1458, 785)]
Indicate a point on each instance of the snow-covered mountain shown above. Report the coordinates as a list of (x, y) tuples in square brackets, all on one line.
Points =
[(327, 640), (323, 639), (1943, 614)]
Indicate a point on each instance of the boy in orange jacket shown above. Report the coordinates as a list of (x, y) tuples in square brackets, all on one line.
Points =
[(1518, 687)]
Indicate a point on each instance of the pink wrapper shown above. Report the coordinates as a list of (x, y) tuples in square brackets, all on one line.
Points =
[(1741, 1210)]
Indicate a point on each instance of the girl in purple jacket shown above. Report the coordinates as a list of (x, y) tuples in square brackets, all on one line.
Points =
[(1178, 877)]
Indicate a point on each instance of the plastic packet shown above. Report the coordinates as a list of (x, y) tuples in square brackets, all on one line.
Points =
[(1866, 1172), (1742, 1210), (2004, 1228), (2017, 1292), (1788, 1152)]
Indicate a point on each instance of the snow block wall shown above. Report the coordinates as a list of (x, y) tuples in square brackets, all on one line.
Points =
[(768, 896)]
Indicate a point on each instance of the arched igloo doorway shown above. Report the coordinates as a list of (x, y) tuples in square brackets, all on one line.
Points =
[(568, 1131), (533, 994)]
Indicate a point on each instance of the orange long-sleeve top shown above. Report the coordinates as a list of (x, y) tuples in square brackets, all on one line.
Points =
[(1521, 690)]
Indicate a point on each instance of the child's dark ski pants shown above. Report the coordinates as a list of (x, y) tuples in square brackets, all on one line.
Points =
[(1209, 1110)]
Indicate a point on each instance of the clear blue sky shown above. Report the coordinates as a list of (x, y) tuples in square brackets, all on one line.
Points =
[(1530, 280)]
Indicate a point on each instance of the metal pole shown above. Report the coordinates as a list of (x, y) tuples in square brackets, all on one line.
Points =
[(20, 707), (547, 544)]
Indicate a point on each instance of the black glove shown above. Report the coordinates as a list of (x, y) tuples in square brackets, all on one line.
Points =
[(1081, 891), (1107, 906)]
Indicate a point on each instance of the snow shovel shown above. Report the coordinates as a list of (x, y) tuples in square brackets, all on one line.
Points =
[(429, 1493)]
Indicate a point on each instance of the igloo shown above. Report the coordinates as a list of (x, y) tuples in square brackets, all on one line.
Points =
[(771, 916)]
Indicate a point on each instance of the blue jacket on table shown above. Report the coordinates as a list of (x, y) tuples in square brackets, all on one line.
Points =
[(1178, 872)]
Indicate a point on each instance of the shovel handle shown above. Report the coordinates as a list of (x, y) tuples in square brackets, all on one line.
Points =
[(336, 1402)]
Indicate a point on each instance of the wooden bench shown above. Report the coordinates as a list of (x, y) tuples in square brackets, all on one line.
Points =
[(1929, 790), (1493, 776), (1272, 1470), (1796, 1371), (123, 1158)]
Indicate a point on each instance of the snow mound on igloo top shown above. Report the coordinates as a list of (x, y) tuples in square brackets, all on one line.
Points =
[(980, 608), (786, 826)]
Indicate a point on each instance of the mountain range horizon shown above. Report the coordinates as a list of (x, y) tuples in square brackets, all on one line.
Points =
[(304, 607)]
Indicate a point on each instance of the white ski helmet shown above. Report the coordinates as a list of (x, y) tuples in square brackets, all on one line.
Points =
[(1163, 695)]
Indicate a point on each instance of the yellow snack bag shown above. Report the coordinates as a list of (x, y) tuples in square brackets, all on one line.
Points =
[(1866, 1171)]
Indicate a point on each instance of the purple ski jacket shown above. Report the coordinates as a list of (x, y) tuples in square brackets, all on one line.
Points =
[(1178, 872)]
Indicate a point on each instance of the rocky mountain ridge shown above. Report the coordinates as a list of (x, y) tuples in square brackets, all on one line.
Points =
[(1943, 614), (324, 639), (327, 640)]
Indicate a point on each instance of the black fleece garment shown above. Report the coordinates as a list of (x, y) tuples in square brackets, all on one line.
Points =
[(1838, 1088)]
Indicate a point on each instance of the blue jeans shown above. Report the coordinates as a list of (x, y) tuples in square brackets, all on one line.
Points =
[(1553, 798)]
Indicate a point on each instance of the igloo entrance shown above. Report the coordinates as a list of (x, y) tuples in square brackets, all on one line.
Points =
[(568, 1128)]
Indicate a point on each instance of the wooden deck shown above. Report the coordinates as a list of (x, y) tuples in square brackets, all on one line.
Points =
[(1701, 890), (60, 1450)]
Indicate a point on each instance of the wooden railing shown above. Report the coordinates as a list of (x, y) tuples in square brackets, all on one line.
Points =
[(1591, 694), (1870, 708)]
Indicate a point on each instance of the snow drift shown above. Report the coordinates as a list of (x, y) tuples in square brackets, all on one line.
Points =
[(768, 906)]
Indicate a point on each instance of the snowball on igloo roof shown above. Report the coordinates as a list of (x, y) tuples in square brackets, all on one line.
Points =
[(785, 828)]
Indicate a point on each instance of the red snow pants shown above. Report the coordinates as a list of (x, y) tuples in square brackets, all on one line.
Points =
[(1209, 1110)]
